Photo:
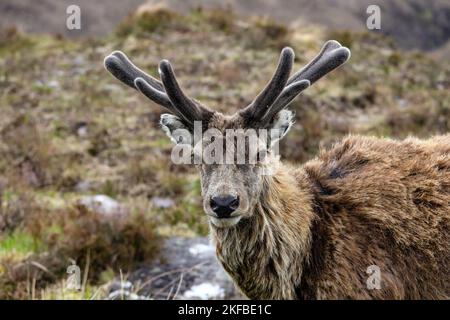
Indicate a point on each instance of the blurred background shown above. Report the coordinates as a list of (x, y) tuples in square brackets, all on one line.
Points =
[(85, 172)]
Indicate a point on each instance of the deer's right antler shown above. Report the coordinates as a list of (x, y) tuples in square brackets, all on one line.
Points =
[(166, 93)]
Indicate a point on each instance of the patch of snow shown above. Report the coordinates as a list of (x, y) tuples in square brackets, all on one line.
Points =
[(201, 249), (205, 291), (102, 204), (163, 202), (53, 84), (125, 295)]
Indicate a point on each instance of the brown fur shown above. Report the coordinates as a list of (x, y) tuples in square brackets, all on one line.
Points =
[(367, 201)]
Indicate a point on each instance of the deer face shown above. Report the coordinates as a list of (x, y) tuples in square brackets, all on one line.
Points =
[(232, 153), (229, 192), (232, 159)]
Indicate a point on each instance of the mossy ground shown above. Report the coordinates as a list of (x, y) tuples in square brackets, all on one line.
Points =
[(66, 122)]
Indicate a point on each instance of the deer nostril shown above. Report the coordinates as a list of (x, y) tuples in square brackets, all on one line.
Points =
[(234, 204), (224, 205)]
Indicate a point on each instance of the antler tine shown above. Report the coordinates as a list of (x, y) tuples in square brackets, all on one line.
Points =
[(123, 69), (289, 93), (331, 56), (187, 107), (270, 93), (155, 95)]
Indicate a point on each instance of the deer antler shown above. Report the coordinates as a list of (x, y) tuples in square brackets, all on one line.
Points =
[(166, 93), (280, 92), (258, 108), (277, 94)]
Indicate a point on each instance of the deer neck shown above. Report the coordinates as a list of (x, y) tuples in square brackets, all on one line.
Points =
[(264, 254)]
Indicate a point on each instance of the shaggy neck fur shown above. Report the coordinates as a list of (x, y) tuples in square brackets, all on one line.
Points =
[(274, 241)]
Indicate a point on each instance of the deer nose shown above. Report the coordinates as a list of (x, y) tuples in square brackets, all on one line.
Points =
[(224, 205)]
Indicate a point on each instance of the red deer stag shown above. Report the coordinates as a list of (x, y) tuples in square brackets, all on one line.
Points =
[(314, 231)]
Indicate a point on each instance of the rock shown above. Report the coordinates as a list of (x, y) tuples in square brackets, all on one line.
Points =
[(402, 103), (82, 186), (102, 204), (187, 269), (82, 131)]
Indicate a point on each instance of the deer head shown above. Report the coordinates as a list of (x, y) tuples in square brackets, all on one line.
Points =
[(230, 190)]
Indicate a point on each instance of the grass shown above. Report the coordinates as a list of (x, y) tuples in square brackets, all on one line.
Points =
[(19, 243), (51, 87)]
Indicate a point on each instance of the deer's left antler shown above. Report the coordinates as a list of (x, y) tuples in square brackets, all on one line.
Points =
[(281, 89)]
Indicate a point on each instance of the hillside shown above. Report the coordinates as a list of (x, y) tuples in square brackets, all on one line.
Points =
[(413, 24), (69, 130)]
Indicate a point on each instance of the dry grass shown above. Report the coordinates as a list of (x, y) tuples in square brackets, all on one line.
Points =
[(45, 243)]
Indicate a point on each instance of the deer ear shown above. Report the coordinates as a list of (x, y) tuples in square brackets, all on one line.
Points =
[(280, 125), (175, 129)]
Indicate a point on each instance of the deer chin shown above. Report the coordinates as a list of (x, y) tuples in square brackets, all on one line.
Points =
[(225, 222)]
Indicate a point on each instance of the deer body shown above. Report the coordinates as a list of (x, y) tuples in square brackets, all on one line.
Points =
[(314, 231), (319, 227)]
